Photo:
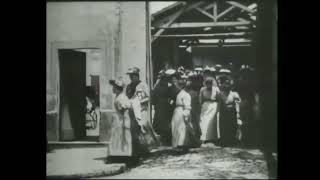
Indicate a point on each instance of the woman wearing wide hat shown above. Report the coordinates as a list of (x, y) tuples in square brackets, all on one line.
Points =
[(183, 135), (209, 112), (162, 119), (121, 147), (229, 113), (195, 105)]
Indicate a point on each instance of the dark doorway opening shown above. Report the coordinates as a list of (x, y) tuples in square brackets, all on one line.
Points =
[(72, 94)]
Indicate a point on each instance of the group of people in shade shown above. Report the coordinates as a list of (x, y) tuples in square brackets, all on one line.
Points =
[(191, 108)]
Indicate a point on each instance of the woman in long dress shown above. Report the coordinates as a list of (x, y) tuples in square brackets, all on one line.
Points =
[(195, 105), (229, 114), (161, 120), (173, 91), (138, 93), (209, 110), (121, 145), (247, 91), (183, 136)]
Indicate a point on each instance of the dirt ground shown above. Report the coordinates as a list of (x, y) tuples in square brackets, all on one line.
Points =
[(209, 162)]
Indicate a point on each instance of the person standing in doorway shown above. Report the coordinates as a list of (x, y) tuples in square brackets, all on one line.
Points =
[(138, 93)]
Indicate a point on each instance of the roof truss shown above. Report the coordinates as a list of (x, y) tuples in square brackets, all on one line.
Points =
[(233, 14)]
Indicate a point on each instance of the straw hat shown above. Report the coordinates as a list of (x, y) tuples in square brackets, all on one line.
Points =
[(117, 82), (133, 70)]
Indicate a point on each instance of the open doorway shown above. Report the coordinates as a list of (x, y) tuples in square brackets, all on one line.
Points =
[(72, 94), (210, 36)]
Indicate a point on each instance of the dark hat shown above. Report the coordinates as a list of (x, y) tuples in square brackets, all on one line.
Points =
[(117, 82), (133, 70)]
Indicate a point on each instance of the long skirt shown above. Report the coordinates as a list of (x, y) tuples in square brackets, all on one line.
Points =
[(246, 110), (161, 122), (149, 135), (141, 112), (208, 121), (228, 125), (121, 137), (139, 142), (195, 113), (183, 134)]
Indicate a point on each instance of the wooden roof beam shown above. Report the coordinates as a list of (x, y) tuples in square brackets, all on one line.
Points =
[(242, 20), (208, 6), (241, 6), (205, 13), (235, 34), (176, 15), (223, 45), (215, 11), (203, 25), (225, 12), (218, 43), (171, 20)]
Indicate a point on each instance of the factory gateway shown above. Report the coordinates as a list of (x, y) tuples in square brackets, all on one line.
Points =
[(89, 43)]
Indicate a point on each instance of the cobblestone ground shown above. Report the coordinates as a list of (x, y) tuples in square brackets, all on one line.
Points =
[(80, 162), (202, 163)]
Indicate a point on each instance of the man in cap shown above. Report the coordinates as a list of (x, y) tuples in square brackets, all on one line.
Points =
[(138, 92)]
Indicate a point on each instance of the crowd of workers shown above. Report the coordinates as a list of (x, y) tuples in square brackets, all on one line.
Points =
[(191, 109)]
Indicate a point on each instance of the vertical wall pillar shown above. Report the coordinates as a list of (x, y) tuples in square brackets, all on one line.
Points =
[(118, 39)]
